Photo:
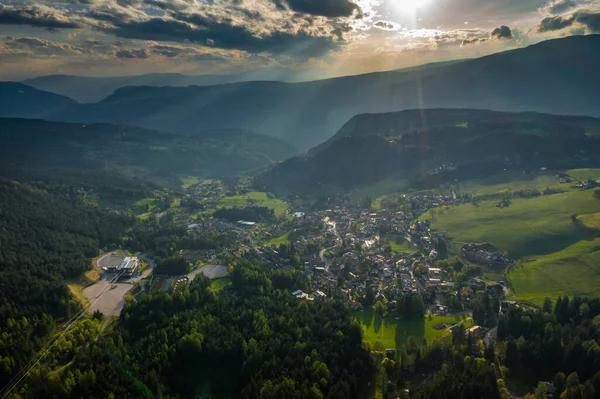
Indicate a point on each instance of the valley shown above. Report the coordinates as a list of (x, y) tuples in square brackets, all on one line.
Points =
[(428, 232)]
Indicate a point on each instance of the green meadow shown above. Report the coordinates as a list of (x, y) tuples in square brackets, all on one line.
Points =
[(400, 244), (556, 256), (515, 181), (256, 198), (219, 283), (531, 226), (283, 239), (572, 271), (392, 333)]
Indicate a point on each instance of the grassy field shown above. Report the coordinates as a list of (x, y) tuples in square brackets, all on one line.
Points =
[(509, 181), (189, 181), (374, 191), (284, 239), (512, 181), (572, 271), (258, 198), (400, 244), (392, 333), (76, 286), (533, 226), (139, 207), (584, 174), (219, 283), (592, 220)]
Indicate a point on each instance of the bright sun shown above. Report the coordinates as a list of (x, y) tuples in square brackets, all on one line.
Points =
[(409, 6)]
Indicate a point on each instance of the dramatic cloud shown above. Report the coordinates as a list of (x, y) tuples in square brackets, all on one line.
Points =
[(554, 23), (34, 47), (198, 29), (472, 40), (133, 54), (386, 25), (502, 32), (559, 6), (589, 19), (325, 8), (37, 16)]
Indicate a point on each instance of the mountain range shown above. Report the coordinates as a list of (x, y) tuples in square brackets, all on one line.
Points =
[(557, 76)]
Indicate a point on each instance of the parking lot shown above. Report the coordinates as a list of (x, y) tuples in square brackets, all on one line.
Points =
[(106, 297)]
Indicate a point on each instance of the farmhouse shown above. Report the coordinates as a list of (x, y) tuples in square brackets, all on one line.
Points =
[(475, 331), (485, 254)]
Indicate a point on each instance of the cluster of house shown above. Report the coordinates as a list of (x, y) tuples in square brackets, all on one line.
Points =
[(316, 295), (485, 254), (360, 241)]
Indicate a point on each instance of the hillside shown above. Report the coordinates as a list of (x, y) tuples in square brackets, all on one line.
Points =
[(136, 151), (552, 76), (18, 100), (431, 147)]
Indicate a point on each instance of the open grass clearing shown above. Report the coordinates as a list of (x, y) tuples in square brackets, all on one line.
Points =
[(393, 333), (515, 181), (255, 198), (531, 226), (220, 283), (189, 181), (283, 239), (592, 220), (584, 174), (571, 271), (401, 244), (511, 181)]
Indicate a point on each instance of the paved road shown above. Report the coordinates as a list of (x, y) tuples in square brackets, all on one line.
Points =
[(490, 337)]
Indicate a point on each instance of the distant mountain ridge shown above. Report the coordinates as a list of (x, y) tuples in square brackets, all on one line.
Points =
[(20, 101), (86, 89), (557, 76)]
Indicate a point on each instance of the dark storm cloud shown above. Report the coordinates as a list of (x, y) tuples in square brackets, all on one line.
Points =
[(205, 30), (472, 40), (40, 17), (560, 6), (502, 32), (555, 23), (386, 25), (324, 8), (587, 19), (133, 54), (590, 20)]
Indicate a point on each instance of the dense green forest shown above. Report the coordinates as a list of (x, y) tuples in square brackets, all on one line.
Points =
[(263, 343), (553, 342), (141, 153), (44, 239)]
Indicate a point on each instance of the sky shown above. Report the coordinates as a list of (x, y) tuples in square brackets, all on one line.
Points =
[(285, 39)]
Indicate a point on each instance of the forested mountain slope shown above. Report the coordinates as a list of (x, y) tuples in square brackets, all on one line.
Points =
[(136, 151), (434, 146)]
